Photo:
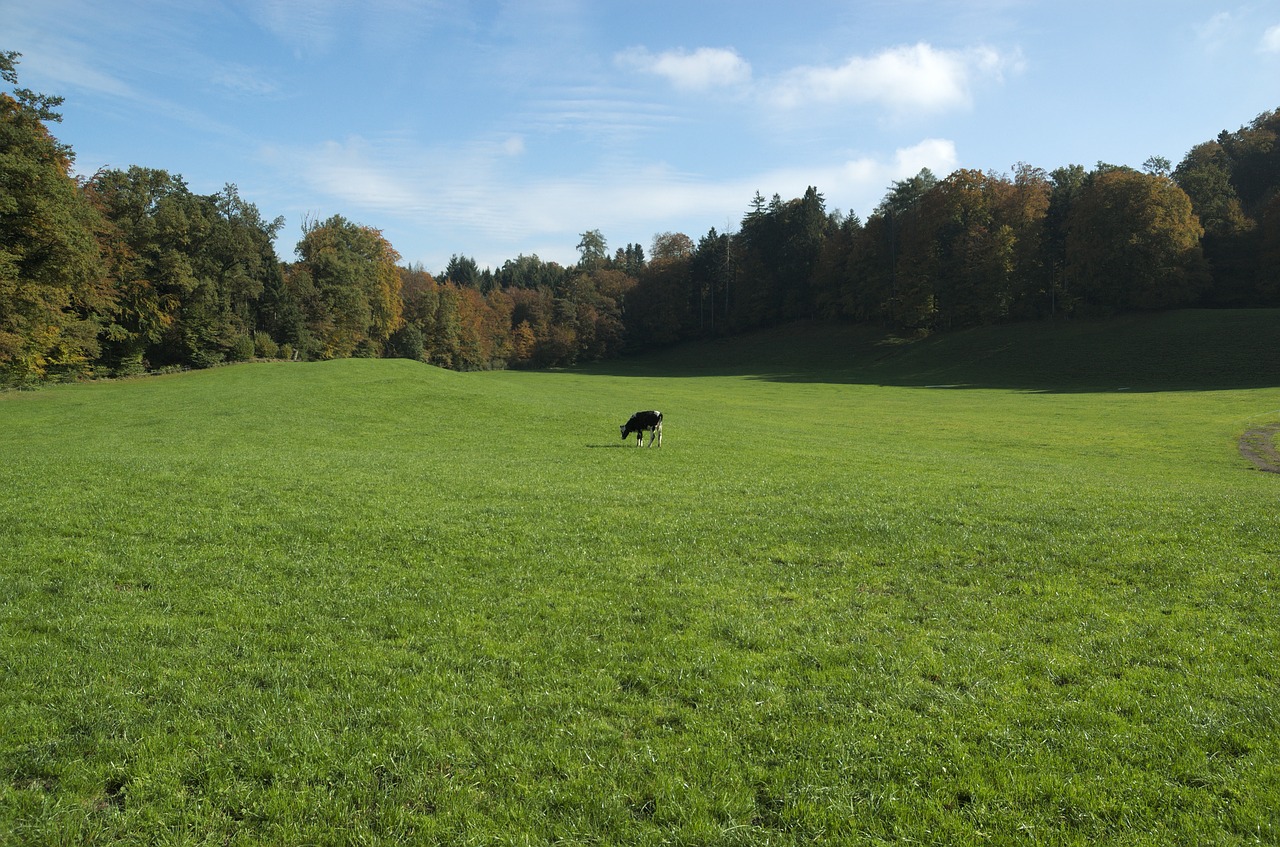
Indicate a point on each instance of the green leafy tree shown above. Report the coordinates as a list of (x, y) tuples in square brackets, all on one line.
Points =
[(529, 272), (1205, 175), (189, 270), (351, 271), (1268, 280), (240, 255), (405, 343), (897, 297), (151, 222), (593, 249), (1254, 154), (1065, 186), (1025, 209), (658, 311)]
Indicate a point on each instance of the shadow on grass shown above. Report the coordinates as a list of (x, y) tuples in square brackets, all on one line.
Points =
[(1188, 350)]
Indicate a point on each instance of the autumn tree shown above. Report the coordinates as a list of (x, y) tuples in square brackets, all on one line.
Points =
[(53, 293), (671, 245), (1133, 242), (532, 316)]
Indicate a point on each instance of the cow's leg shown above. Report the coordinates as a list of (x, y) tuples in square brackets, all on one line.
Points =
[(657, 430)]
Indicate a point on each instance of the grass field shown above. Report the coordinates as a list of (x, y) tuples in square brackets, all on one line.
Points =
[(1010, 586)]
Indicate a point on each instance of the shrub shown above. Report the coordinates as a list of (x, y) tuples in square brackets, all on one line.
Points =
[(265, 346), (405, 343), (242, 350)]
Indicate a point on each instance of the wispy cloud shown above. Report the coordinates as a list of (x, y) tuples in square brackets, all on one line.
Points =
[(597, 112), (64, 69), (242, 80), (1215, 32), (701, 70), (315, 28), (310, 27), (1232, 31), (918, 78), (1271, 40)]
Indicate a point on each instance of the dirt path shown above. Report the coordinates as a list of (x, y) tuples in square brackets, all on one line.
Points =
[(1258, 445)]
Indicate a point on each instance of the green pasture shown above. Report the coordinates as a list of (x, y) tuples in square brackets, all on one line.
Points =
[(1010, 586)]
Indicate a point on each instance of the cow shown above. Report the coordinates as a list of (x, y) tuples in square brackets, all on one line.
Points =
[(641, 421)]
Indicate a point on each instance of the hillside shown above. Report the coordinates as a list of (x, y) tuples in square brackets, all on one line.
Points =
[(1170, 351)]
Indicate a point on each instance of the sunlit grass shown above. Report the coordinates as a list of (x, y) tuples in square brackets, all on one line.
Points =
[(373, 602)]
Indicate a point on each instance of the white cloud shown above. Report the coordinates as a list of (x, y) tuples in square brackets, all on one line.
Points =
[(907, 79), (1271, 40), (472, 197), (859, 184), (702, 70), (936, 154)]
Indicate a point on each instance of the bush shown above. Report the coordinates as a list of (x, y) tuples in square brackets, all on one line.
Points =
[(405, 343), (242, 350), (131, 364), (265, 346)]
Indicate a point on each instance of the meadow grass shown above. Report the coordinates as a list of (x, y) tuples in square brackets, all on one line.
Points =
[(372, 602)]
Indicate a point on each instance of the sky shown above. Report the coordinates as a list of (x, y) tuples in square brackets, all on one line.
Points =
[(498, 129)]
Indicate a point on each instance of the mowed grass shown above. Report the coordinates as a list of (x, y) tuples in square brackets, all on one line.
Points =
[(371, 602)]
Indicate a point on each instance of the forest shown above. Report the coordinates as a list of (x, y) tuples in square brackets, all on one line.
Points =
[(128, 271)]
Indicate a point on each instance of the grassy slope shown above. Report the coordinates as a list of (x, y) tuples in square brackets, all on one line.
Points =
[(371, 601)]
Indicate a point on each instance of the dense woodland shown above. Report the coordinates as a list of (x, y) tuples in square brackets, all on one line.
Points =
[(128, 271)]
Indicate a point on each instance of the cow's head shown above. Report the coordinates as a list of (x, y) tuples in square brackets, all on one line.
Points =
[(623, 429)]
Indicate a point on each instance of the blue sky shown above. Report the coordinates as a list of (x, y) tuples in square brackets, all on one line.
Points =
[(493, 129)]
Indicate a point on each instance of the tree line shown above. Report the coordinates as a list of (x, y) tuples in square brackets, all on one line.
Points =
[(128, 271)]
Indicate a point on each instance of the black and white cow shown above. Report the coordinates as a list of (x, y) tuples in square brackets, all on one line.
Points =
[(641, 421)]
